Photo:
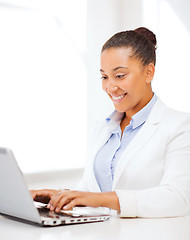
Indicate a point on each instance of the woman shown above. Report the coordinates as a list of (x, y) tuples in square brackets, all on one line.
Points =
[(139, 159)]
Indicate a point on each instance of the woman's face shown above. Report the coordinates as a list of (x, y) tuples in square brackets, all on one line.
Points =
[(126, 81)]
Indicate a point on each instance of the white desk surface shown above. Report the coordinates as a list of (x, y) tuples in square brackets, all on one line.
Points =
[(114, 228)]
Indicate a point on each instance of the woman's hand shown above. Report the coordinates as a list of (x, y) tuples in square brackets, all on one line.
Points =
[(44, 195), (68, 199)]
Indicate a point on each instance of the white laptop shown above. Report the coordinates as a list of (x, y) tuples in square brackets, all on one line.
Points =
[(16, 201)]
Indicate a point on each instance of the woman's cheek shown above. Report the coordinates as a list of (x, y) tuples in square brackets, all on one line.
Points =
[(104, 87)]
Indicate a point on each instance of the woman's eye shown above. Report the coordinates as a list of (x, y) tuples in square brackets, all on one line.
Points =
[(103, 77), (120, 76)]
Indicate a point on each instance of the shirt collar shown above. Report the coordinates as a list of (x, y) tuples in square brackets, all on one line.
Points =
[(138, 119), (113, 121), (141, 116)]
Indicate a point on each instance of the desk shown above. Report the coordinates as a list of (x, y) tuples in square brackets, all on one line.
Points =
[(115, 228)]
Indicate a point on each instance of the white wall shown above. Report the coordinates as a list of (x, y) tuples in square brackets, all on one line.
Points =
[(43, 83), (170, 20)]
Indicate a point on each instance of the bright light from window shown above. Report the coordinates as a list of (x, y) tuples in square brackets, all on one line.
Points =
[(43, 90), (171, 81), (150, 14), (173, 63)]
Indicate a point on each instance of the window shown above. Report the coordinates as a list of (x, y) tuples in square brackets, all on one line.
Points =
[(43, 84), (170, 21)]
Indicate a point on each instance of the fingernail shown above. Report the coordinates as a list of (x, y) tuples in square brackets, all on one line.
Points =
[(57, 209), (48, 206), (65, 207), (51, 208)]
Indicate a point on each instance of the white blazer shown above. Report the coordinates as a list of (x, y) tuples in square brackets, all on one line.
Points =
[(152, 178)]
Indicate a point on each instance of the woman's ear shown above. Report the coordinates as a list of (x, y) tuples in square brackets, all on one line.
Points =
[(150, 69)]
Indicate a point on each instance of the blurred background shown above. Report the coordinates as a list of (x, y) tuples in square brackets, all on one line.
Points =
[(50, 87)]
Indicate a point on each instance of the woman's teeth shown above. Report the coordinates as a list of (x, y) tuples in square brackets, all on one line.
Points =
[(118, 97)]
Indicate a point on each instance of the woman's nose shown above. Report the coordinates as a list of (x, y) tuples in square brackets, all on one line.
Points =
[(110, 86), (112, 89)]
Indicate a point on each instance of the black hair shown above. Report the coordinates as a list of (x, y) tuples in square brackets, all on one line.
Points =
[(141, 41)]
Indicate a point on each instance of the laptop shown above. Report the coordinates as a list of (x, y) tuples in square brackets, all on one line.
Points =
[(16, 201)]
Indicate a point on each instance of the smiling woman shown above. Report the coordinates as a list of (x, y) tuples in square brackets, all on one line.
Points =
[(126, 80), (139, 157)]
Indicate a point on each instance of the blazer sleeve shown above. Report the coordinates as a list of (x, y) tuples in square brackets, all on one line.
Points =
[(172, 196)]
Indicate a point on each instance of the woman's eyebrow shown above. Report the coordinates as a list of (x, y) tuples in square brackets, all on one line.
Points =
[(115, 69)]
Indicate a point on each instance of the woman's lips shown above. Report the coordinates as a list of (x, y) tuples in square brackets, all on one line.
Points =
[(118, 98)]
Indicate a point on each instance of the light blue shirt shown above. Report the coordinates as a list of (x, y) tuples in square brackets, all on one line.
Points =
[(108, 156)]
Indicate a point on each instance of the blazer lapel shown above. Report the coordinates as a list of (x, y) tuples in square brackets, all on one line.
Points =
[(144, 134)]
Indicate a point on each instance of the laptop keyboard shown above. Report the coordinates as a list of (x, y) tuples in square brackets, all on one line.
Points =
[(45, 212), (50, 218)]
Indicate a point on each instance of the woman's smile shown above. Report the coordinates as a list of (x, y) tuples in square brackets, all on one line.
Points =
[(118, 98)]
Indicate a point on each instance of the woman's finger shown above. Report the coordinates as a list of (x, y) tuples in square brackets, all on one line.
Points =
[(70, 204), (62, 203), (75, 199), (43, 195), (62, 199), (56, 199)]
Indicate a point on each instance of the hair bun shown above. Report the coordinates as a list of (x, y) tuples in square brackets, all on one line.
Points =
[(147, 34)]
